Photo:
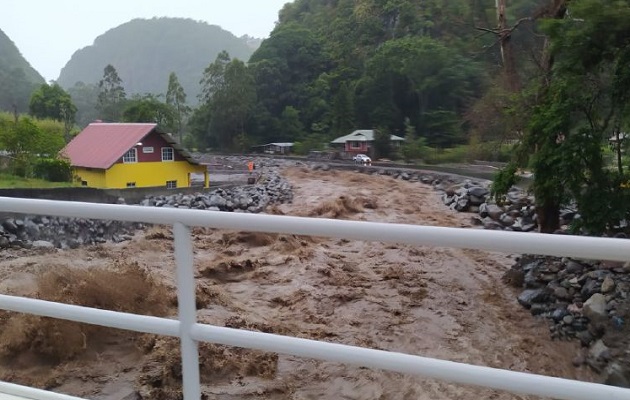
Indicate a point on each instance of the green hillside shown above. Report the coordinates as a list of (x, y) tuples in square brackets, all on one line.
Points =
[(17, 77), (145, 52)]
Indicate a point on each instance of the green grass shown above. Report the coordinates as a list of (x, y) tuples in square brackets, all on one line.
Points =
[(11, 181)]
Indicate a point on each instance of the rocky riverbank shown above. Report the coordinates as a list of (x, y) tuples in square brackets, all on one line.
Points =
[(58, 232), (582, 300)]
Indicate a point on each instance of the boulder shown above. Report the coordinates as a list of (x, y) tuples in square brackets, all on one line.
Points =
[(608, 285), (532, 296), (595, 307), (478, 191)]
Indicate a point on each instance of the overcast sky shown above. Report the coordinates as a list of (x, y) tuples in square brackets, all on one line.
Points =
[(48, 32)]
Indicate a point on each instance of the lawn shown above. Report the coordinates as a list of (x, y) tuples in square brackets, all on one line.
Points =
[(12, 181)]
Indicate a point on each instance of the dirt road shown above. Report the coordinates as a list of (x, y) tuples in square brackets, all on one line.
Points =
[(442, 303)]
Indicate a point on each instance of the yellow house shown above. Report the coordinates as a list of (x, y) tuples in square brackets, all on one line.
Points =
[(126, 155)]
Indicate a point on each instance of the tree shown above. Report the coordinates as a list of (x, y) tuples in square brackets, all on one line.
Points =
[(149, 109), (343, 111), (415, 147), (25, 141), (111, 95), (51, 101), (85, 97), (581, 101), (176, 99), (290, 125), (382, 143), (228, 96)]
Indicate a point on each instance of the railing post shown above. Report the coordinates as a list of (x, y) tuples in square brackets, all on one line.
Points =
[(187, 311)]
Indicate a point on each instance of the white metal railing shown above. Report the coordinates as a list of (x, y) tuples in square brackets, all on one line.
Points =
[(190, 332)]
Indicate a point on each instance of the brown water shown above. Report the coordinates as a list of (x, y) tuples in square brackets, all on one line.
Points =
[(434, 302)]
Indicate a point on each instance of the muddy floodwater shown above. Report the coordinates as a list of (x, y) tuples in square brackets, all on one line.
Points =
[(434, 302)]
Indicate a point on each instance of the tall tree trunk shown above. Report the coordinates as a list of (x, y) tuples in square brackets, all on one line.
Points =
[(548, 211), (618, 144), (513, 80)]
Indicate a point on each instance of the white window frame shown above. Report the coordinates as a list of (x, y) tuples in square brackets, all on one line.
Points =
[(131, 184), (355, 144), (171, 184), (148, 150), (172, 151), (128, 158)]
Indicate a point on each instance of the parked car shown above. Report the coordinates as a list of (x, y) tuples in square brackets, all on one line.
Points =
[(362, 159)]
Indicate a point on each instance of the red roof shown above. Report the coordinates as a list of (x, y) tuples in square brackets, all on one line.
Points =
[(100, 145)]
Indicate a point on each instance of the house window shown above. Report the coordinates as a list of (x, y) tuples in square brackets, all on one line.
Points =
[(147, 150), (131, 184), (168, 154), (131, 156), (355, 145), (171, 184)]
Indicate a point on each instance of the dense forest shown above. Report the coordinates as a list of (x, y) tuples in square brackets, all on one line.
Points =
[(401, 66), (17, 78), (542, 85)]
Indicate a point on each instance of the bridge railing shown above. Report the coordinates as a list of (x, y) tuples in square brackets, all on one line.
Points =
[(191, 332)]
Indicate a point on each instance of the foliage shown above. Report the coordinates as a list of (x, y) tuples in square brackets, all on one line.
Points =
[(503, 181), (111, 95), (176, 99), (29, 139), (146, 51), (348, 65), (53, 170), (149, 109), (312, 142), (382, 143), (579, 104), (228, 98), (456, 154), (51, 101), (8, 180), (415, 147), (85, 97)]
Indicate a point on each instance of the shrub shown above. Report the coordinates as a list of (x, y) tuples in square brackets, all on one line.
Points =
[(53, 170)]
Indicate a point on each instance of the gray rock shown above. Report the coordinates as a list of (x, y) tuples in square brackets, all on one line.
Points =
[(561, 293), (42, 244), (608, 285), (489, 223), (476, 201), (574, 267), (10, 226), (595, 307), (617, 374), (478, 191), (461, 204), (483, 210), (599, 351), (531, 296), (590, 287), (494, 211), (506, 220)]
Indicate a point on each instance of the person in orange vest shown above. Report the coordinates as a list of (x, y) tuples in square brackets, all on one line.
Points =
[(250, 166)]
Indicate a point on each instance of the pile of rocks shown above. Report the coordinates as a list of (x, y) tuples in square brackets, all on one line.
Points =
[(55, 232), (272, 189), (587, 301), (51, 232), (516, 213)]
